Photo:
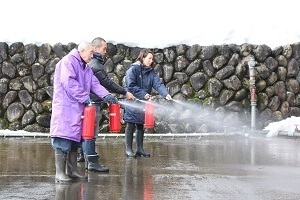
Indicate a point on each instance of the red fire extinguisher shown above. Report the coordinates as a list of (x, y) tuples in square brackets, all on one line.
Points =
[(88, 125), (149, 114), (114, 118)]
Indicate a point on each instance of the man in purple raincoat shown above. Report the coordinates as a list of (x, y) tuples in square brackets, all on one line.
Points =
[(73, 82)]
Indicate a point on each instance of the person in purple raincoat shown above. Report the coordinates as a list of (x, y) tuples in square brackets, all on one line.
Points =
[(73, 82)]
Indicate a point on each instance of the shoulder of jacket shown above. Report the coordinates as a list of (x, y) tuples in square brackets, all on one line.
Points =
[(136, 65), (74, 54), (96, 64), (95, 61), (72, 59)]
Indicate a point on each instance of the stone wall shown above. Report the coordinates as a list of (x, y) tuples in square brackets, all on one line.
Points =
[(214, 77)]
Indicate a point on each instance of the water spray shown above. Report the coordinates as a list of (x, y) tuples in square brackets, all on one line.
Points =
[(185, 116), (131, 104)]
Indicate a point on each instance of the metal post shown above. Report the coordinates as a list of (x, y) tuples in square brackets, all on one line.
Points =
[(251, 65)]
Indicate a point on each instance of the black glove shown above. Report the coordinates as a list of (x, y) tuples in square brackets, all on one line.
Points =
[(110, 99)]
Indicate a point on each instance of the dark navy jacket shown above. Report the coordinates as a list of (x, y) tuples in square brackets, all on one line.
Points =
[(99, 71), (139, 81)]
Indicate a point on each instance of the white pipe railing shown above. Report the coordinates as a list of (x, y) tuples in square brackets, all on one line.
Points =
[(4, 133), (8, 133), (173, 135), (286, 133)]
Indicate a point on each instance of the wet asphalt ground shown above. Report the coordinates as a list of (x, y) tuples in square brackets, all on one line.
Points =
[(213, 167)]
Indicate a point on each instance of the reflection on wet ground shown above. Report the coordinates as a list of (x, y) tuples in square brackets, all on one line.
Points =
[(221, 167)]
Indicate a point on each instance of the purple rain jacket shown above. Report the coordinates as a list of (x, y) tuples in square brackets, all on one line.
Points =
[(73, 82)]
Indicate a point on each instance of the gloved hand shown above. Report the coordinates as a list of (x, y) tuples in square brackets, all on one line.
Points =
[(110, 99), (168, 97), (88, 101), (147, 96)]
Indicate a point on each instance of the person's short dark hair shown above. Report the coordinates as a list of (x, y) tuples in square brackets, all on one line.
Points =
[(98, 41)]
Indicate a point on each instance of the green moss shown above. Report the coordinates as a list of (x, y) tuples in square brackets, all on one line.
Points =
[(3, 123), (47, 106), (211, 102), (189, 84), (207, 101), (194, 99), (127, 58), (5, 115)]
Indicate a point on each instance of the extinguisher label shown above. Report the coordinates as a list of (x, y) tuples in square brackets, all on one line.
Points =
[(112, 114)]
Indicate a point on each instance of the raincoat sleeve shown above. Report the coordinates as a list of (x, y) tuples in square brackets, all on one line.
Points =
[(159, 86), (73, 88), (132, 85)]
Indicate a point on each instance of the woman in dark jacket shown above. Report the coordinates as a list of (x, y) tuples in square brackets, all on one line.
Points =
[(140, 79)]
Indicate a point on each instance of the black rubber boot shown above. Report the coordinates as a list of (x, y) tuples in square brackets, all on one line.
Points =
[(72, 170), (129, 139), (60, 166), (139, 144), (80, 156), (94, 165)]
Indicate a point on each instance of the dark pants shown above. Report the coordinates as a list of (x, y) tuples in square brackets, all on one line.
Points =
[(64, 145), (132, 126)]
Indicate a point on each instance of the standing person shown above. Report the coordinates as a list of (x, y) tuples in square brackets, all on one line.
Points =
[(140, 79), (89, 147), (73, 81)]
